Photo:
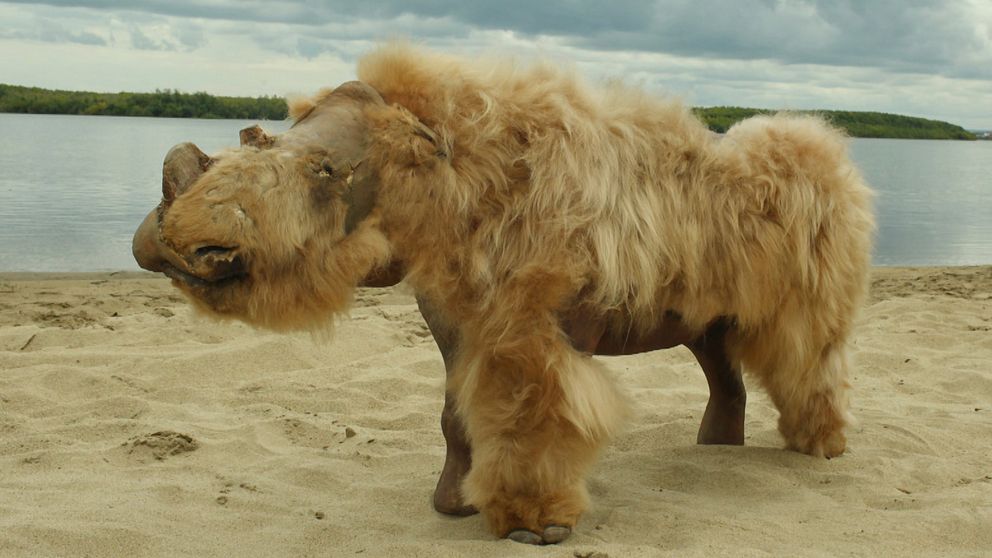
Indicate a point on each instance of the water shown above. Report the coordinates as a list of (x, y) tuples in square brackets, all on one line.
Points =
[(74, 188), (934, 200)]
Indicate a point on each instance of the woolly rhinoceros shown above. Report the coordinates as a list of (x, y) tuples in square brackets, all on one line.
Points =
[(540, 221)]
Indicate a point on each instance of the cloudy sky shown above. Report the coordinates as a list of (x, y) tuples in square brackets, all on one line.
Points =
[(930, 58)]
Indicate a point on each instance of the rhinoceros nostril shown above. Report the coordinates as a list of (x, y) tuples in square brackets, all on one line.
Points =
[(215, 251)]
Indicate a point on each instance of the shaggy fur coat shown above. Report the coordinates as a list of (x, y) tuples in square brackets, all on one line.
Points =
[(511, 192)]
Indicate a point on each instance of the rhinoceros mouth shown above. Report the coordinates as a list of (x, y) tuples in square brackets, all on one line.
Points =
[(233, 274)]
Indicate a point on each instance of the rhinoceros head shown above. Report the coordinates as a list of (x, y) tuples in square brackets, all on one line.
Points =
[(280, 231)]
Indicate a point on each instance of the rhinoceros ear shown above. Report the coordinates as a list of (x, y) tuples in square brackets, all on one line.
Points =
[(421, 130), (406, 138), (183, 165), (255, 136)]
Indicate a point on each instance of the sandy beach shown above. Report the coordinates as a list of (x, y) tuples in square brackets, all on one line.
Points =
[(131, 427)]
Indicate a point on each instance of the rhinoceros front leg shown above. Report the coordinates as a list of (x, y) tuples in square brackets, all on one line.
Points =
[(538, 413), (458, 459)]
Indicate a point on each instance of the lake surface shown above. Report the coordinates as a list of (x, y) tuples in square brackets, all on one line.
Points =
[(74, 188)]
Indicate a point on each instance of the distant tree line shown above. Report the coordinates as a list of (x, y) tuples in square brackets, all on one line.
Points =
[(164, 103), (857, 124), (171, 103)]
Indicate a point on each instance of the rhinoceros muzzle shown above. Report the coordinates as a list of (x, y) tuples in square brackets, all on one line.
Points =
[(203, 265)]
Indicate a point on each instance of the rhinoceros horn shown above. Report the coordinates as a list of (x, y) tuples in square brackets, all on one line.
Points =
[(183, 165)]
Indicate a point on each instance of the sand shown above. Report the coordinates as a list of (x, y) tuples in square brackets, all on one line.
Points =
[(130, 426)]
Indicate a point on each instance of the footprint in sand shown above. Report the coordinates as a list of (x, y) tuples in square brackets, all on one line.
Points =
[(159, 445), (64, 320)]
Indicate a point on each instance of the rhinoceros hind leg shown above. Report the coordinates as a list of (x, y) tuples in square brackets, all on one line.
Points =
[(723, 420), (458, 459), (448, 495)]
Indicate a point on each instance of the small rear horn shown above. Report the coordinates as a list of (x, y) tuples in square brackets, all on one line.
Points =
[(183, 165), (255, 136)]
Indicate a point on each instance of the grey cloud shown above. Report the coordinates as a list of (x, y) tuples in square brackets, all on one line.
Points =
[(190, 36), (298, 12), (913, 35), (925, 36), (83, 38), (86, 38), (312, 48), (52, 32), (163, 34), (347, 39), (141, 41), (566, 17)]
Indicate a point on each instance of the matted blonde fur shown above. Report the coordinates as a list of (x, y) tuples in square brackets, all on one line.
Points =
[(536, 188)]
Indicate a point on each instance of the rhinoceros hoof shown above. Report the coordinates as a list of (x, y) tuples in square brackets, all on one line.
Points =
[(552, 534)]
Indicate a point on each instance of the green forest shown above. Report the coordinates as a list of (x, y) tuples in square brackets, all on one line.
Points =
[(857, 124), (171, 103), (167, 103)]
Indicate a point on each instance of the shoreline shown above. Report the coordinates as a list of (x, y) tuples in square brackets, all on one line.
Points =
[(75, 275), (141, 274)]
